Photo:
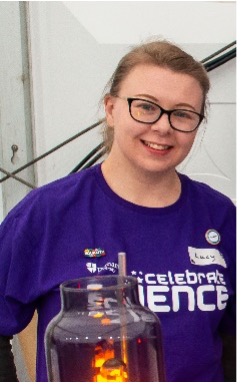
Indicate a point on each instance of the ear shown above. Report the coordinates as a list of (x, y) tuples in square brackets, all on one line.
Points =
[(109, 107)]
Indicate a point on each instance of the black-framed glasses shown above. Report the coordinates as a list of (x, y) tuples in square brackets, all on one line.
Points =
[(144, 111)]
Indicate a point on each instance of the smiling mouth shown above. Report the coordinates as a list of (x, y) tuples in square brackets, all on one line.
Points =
[(156, 146)]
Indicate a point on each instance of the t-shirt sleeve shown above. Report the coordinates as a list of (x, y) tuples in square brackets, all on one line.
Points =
[(17, 286)]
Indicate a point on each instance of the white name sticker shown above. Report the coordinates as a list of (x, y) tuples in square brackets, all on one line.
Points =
[(203, 257)]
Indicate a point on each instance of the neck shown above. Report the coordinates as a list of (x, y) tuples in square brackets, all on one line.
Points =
[(157, 189)]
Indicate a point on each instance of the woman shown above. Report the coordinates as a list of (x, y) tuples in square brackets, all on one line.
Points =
[(178, 234)]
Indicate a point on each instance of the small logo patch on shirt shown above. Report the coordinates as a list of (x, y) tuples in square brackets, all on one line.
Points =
[(94, 253), (109, 267), (204, 257)]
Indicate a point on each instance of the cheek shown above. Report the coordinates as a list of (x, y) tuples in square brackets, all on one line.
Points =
[(122, 124), (186, 142)]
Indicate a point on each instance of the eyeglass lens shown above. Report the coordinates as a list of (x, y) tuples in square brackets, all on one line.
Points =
[(147, 112)]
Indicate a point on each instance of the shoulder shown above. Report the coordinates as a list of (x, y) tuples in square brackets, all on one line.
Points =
[(56, 194), (203, 194)]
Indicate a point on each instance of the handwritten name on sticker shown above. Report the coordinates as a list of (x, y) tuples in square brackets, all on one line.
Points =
[(204, 257)]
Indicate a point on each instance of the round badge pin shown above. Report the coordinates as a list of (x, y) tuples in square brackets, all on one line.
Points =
[(213, 237)]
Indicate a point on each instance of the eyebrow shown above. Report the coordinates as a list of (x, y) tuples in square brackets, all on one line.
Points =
[(180, 105), (148, 96)]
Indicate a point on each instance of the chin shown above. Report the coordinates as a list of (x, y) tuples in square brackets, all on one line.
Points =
[(154, 171)]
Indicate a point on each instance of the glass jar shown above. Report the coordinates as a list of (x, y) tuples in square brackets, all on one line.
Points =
[(104, 334)]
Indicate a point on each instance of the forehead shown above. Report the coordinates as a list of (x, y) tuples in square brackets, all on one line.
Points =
[(161, 83)]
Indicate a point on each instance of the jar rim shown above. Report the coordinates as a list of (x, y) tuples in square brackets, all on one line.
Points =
[(99, 282)]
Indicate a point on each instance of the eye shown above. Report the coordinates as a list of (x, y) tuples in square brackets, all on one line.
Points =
[(145, 107), (184, 114)]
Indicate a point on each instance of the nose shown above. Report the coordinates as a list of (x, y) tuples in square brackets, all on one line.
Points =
[(162, 125)]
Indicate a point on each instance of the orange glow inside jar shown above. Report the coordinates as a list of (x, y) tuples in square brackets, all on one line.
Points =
[(107, 367)]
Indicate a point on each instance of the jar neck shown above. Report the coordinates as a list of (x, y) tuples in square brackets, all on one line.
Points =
[(100, 292)]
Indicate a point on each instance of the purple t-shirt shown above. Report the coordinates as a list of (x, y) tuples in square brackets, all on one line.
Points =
[(183, 256)]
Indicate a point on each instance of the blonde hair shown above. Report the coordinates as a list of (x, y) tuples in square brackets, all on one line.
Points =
[(159, 53)]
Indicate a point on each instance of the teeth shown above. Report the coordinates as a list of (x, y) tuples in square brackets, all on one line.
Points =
[(156, 146)]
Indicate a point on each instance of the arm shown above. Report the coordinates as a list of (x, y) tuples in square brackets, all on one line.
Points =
[(7, 366)]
